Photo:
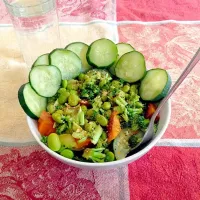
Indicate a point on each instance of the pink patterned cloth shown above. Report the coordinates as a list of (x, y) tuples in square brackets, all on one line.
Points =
[(154, 10), (168, 172)]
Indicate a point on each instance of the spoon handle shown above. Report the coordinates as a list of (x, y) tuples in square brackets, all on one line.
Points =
[(184, 74)]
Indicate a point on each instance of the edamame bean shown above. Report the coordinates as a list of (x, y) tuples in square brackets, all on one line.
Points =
[(106, 105), (53, 142), (81, 77), (89, 113), (51, 108), (64, 84), (84, 109), (73, 100), (63, 97), (90, 126), (104, 135), (61, 90), (126, 88), (108, 113), (109, 156), (102, 120), (57, 117), (72, 84), (104, 98), (67, 153)]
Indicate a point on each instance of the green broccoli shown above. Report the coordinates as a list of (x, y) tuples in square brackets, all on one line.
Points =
[(94, 155), (143, 123), (102, 142), (90, 91), (134, 140)]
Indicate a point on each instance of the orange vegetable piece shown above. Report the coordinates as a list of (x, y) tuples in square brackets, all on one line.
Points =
[(45, 124), (114, 127), (81, 145), (151, 108)]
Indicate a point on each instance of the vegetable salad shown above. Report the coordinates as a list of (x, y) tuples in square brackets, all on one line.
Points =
[(93, 112)]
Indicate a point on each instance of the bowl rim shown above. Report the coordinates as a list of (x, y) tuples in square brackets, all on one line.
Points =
[(106, 164)]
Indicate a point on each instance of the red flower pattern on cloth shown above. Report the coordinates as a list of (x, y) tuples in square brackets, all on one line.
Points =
[(39, 176)]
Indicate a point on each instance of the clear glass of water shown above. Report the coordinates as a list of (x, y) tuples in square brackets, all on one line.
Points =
[(36, 26)]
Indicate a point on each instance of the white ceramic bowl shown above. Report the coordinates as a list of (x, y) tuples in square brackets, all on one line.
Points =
[(162, 126)]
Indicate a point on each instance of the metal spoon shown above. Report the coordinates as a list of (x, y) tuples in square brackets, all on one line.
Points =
[(150, 130)]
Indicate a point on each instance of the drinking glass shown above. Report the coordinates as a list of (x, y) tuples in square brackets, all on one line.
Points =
[(36, 26)]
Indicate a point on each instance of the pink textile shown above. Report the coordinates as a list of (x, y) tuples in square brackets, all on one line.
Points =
[(155, 10), (166, 173)]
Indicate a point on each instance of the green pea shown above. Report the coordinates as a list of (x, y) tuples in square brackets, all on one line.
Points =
[(73, 100), (53, 142), (106, 105), (109, 156), (67, 153), (57, 117), (64, 83), (51, 108), (108, 113), (63, 97), (84, 109), (126, 88), (116, 84), (102, 120), (102, 83)]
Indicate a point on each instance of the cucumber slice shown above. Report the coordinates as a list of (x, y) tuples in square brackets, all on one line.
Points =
[(80, 49), (122, 49), (42, 60), (102, 53), (155, 85), (67, 61), (131, 67), (121, 145), (31, 102), (45, 80)]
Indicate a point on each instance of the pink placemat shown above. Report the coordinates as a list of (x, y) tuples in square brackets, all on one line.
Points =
[(170, 170)]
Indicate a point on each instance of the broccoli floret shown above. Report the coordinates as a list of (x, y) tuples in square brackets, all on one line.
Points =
[(97, 103), (143, 122), (90, 91), (93, 154), (102, 142), (134, 140), (134, 122), (44, 139)]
